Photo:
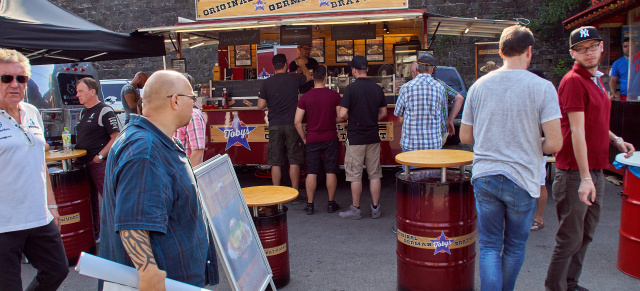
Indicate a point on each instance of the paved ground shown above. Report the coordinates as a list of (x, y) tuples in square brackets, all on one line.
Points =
[(329, 253)]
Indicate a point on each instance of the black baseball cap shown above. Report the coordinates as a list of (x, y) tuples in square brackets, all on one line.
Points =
[(359, 63), (583, 33), (427, 59), (279, 59)]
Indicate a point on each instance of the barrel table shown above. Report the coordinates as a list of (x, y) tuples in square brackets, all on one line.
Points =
[(629, 242), (436, 221), (270, 219), (70, 185)]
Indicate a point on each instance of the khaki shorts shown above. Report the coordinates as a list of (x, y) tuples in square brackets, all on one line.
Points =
[(359, 155)]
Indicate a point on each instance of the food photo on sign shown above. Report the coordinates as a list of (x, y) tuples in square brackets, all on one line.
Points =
[(317, 50), (344, 51), (374, 49), (243, 55)]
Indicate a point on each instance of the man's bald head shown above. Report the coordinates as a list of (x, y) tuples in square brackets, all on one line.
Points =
[(139, 80), (160, 85)]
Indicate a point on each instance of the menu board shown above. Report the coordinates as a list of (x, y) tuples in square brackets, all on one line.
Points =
[(317, 50), (295, 35), (353, 31), (179, 65), (374, 49), (243, 55), (344, 51), (238, 37), (487, 58)]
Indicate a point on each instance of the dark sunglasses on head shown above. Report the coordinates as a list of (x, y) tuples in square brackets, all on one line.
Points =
[(193, 97), (9, 78)]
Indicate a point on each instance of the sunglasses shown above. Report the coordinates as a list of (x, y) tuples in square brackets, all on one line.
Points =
[(9, 78), (193, 97)]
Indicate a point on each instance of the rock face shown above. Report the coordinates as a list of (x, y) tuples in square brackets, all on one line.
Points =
[(126, 16)]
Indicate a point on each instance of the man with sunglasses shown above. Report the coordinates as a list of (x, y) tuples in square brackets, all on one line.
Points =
[(97, 130), (578, 187), (151, 217), (29, 220)]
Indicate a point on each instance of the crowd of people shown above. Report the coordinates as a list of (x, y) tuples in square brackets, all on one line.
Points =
[(155, 224)]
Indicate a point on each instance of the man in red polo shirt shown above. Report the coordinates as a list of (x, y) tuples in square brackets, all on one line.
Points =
[(578, 188)]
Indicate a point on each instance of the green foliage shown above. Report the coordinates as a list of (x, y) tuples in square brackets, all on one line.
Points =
[(552, 13), (563, 66)]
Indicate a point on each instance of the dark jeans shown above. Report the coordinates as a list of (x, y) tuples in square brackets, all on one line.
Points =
[(577, 227), (96, 172), (43, 247)]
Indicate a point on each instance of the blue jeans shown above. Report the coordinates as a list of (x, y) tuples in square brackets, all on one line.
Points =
[(505, 212)]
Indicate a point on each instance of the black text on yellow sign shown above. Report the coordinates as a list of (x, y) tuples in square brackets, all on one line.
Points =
[(276, 250), (425, 242), (69, 219)]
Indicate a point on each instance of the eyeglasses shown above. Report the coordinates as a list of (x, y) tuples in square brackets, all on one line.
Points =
[(193, 97), (591, 48), (27, 133), (9, 78)]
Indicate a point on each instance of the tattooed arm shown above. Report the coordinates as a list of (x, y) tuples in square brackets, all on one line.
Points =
[(136, 243)]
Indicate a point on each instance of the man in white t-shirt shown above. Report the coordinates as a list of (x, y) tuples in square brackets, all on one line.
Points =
[(503, 123), (29, 220)]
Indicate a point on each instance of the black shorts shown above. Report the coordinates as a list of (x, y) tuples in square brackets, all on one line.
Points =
[(327, 151), (285, 138)]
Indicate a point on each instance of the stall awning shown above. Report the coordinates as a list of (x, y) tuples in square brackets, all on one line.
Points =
[(206, 32), (599, 12)]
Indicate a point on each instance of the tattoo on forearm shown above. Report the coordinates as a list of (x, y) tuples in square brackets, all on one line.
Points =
[(136, 243)]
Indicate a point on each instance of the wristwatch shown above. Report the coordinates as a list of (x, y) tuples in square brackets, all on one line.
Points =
[(100, 156)]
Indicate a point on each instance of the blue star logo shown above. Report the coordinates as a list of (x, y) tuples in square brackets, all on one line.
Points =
[(324, 2), (264, 74), (259, 5), (237, 133), (442, 244)]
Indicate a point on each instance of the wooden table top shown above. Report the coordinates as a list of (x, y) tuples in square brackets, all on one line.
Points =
[(435, 158), (50, 156), (268, 195)]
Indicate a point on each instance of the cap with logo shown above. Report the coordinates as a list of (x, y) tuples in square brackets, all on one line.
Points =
[(279, 59), (583, 33), (427, 59), (359, 63)]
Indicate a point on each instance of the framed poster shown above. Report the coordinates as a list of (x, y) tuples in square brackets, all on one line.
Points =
[(234, 233), (374, 49), (243, 55), (179, 65), (317, 49), (487, 58), (344, 51)]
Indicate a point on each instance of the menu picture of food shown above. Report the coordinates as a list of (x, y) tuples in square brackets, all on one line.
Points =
[(344, 51), (317, 49), (374, 49), (243, 55)]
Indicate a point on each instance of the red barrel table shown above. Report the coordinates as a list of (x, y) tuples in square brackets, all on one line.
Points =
[(436, 218), (71, 188), (270, 219), (629, 243)]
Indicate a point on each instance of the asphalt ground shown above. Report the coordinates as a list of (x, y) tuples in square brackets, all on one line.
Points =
[(330, 253)]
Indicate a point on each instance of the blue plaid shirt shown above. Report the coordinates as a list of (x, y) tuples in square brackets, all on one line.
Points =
[(449, 95), (420, 103), (149, 185)]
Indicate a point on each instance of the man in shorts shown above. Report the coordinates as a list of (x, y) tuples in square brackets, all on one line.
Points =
[(321, 106), (363, 104), (280, 92)]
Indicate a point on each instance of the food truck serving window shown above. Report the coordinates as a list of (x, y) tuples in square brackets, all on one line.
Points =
[(67, 83)]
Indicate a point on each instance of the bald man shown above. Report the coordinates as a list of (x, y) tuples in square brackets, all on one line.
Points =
[(151, 218), (130, 95)]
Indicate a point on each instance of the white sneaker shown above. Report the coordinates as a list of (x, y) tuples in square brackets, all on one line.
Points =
[(351, 213), (376, 212)]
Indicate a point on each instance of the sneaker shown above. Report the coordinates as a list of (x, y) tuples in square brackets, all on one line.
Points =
[(299, 200), (580, 288), (352, 213), (332, 207), (309, 209), (376, 212)]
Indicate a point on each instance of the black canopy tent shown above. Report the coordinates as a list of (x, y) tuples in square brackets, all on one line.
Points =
[(48, 34)]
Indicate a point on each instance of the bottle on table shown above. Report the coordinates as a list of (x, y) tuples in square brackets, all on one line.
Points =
[(225, 99), (66, 140)]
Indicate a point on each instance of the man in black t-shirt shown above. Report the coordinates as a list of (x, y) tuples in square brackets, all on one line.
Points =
[(363, 104), (304, 50), (280, 92), (97, 130)]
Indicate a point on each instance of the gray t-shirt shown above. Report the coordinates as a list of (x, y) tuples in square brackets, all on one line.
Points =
[(506, 109)]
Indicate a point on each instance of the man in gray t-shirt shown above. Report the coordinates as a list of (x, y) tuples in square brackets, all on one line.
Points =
[(502, 118)]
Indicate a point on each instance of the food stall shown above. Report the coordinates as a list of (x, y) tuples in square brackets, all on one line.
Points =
[(617, 20), (248, 34)]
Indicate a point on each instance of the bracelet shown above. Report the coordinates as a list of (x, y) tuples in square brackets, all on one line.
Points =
[(615, 138), (587, 178), (52, 206)]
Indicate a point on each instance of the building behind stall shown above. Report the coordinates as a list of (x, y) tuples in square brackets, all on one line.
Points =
[(126, 16)]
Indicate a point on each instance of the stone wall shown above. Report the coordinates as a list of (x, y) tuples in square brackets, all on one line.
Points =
[(126, 16)]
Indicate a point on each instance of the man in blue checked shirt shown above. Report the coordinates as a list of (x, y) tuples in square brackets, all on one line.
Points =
[(422, 103)]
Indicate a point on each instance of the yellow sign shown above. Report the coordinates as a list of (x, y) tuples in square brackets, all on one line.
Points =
[(276, 251), (69, 219), (489, 52), (427, 242), (261, 132), (217, 9)]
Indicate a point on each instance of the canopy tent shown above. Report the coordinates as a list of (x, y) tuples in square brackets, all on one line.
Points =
[(48, 34)]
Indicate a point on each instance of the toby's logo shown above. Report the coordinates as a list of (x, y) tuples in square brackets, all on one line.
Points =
[(584, 32), (236, 133)]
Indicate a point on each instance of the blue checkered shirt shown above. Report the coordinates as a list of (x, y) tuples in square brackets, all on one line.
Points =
[(420, 103)]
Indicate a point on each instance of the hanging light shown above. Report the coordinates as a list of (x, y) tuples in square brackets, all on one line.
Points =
[(385, 27)]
